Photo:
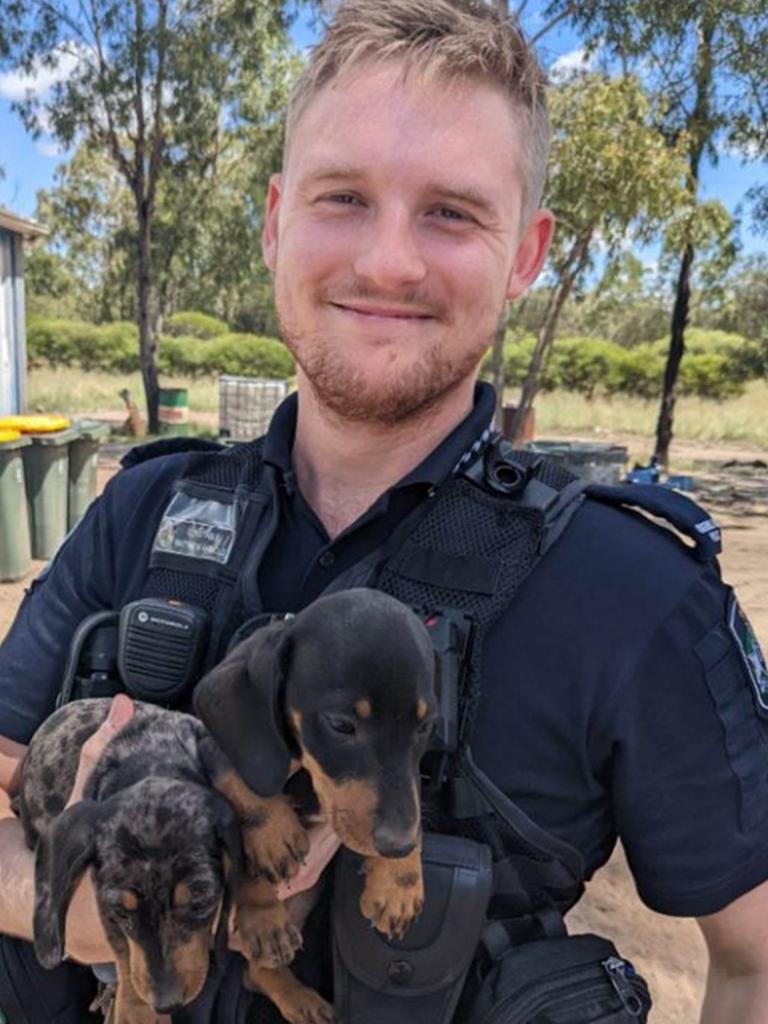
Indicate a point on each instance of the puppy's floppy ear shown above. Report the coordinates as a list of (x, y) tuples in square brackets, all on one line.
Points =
[(64, 851), (229, 834), (240, 702)]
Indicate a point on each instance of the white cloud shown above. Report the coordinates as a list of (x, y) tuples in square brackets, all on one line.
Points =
[(572, 63), (50, 149), (19, 84)]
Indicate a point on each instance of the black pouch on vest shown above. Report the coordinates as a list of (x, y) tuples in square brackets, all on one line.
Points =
[(576, 979), (420, 977)]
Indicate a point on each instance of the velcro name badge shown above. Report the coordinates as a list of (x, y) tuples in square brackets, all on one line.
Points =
[(197, 528)]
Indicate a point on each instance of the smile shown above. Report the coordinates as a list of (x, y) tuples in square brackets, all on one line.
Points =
[(381, 313)]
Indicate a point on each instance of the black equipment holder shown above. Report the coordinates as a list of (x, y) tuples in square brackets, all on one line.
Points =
[(420, 977)]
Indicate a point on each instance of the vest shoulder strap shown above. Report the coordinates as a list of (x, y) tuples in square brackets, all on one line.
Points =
[(676, 509), (167, 446)]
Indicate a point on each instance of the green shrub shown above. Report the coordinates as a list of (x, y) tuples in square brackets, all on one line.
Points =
[(244, 355), (585, 365), (639, 372), (709, 375), (190, 324), (112, 347), (249, 355), (57, 341), (181, 357)]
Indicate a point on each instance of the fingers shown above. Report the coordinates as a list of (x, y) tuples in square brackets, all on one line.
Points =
[(120, 713), (323, 844)]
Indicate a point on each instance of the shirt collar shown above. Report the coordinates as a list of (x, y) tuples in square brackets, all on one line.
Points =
[(463, 441)]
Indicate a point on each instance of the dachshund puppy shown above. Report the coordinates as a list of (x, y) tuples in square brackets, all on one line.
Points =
[(347, 688), (159, 838)]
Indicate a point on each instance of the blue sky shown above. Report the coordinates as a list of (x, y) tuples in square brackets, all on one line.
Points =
[(30, 164)]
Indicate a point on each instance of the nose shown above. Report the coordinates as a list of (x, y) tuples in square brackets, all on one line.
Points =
[(389, 256), (393, 842), (172, 1008)]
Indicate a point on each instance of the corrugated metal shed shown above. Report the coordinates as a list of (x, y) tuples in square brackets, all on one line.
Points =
[(14, 232)]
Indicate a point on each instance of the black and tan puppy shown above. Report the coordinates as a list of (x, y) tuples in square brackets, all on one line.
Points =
[(159, 839), (346, 687)]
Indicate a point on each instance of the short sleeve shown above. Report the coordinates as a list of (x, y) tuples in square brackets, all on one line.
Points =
[(690, 760), (101, 565), (76, 583)]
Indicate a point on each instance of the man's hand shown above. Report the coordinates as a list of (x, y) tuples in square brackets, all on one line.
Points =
[(323, 844), (85, 938)]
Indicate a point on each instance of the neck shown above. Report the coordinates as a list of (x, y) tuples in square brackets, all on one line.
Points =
[(342, 467)]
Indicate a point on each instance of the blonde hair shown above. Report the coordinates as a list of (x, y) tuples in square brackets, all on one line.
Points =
[(453, 39)]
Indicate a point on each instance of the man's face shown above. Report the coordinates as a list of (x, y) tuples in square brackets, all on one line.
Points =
[(395, 238)]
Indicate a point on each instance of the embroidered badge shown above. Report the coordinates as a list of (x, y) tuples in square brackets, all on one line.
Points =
[(197, 528), (749, 648)]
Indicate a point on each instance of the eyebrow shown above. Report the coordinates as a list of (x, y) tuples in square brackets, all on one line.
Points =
[(453, 192)]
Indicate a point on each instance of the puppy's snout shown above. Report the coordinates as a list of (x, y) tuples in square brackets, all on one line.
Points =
[(390, 842), (172, 1008)]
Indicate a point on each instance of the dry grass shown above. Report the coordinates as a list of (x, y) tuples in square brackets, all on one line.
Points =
[(744, 419), (739, 419), (70, 391)]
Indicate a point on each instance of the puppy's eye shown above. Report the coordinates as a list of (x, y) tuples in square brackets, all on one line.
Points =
[(425, 728), (340, 724)]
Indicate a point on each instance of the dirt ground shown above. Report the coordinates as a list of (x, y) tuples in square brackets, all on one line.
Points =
[(669, 952)]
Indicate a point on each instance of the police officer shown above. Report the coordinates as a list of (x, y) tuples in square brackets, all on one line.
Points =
[(622, 693)]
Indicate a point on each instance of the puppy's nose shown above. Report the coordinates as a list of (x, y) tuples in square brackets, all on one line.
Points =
[(173, 1008), (391, 842)]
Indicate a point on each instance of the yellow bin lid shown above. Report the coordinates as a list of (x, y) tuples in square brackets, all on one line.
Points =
[(34, 424), (9, 435)]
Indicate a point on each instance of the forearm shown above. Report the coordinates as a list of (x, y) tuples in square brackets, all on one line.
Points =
[(85, 938), (735, 997)]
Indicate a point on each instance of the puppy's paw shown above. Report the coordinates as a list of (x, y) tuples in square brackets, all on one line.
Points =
[(297, 1003), (393, 896), (267, 935), (277, 845), (308, 1008)]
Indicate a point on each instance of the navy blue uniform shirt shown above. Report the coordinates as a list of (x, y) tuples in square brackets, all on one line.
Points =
[(614, 698)]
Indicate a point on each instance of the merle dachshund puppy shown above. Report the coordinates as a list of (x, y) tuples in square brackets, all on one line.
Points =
[(164, 847), (347, 689)]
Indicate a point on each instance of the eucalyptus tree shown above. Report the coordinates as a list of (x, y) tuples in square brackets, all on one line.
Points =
[(612, 178), (710, 60), (156, 87)]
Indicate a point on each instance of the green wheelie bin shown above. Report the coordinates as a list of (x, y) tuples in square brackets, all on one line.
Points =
[(46, 470), (15, 553), (83, 463)]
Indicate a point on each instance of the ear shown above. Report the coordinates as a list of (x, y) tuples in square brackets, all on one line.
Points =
[(269, 234), (240, 703), (531, 253), (64, 851), (230, 837)]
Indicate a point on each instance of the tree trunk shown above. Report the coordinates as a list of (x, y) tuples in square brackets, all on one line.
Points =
[(147, 345), (700, 128), (674, 358), (574, 264)]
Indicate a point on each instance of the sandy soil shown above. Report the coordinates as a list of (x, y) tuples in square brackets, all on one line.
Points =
[(669, 952)]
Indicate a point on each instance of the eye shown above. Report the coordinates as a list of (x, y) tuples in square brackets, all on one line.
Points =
[(342, 199), (448, 213), (342, 725), (425, 728)]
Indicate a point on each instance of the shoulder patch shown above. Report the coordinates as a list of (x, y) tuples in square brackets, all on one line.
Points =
[(749, 649)]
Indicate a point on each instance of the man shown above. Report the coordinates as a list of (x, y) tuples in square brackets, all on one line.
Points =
[(613, 697)]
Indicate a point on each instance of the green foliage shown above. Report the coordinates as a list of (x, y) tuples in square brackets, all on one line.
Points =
[(585, 365), (192, 324), (715, 367), (112, 347), (242, 354)]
